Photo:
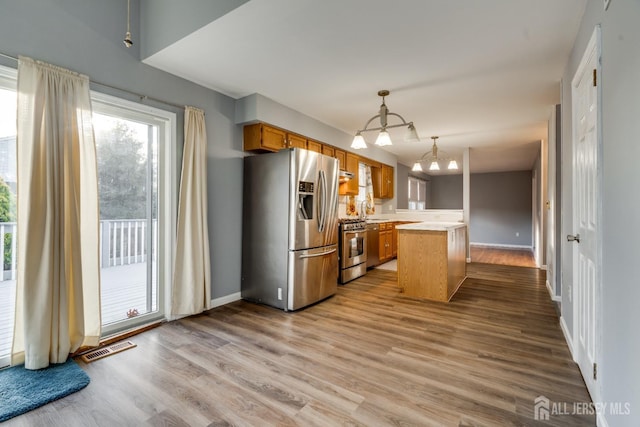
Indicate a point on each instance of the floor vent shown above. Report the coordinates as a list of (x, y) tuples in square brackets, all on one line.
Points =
[(107, 351)]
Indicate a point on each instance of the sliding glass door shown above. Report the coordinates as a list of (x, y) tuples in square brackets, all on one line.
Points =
[(129, 139), (137, 209)]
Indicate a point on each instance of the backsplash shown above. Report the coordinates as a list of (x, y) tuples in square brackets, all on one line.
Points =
[(348, 206)]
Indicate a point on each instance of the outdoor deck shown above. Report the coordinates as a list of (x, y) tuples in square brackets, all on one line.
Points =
[(123, 288)]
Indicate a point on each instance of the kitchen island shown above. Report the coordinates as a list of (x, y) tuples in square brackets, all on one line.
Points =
[(431, 259)]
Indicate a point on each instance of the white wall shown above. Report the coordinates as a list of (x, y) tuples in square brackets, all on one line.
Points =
[(619, 370)]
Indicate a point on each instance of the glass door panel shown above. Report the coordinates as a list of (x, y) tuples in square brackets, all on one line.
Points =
[(127, 154)]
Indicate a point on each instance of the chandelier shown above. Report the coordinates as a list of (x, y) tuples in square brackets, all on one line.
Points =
[(383, 137), (433, 157)]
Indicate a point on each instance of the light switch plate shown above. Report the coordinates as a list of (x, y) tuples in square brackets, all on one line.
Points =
[(606, 4)]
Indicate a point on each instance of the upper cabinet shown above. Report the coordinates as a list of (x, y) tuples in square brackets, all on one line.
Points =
[(314, 146), (386, 187), (382, 178), (328, 150), (262, 137), (351, 186), (342, 158)]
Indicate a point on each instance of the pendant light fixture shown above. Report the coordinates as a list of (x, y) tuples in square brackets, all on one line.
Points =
[(383, 137), (127, 37), (433, 157)]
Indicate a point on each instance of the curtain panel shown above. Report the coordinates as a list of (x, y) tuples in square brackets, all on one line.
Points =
[(370, 203), (191, 292), (58, 277)]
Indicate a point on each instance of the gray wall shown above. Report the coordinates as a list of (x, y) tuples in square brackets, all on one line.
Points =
[(446, 192), (500, 208), (402, 186), (86, 36), (619, 372)]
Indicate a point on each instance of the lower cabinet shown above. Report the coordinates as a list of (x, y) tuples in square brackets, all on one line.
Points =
[(385, 252)]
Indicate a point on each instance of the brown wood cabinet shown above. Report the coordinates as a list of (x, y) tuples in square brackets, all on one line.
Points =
[(262, 137), (328, 150), (314, 146), (296, 141), (341, 155), (385, 242), (386, 183), (382, 177), (350, 187), (431, 263)]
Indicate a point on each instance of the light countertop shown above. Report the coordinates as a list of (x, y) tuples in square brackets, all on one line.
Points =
[(431, 226)]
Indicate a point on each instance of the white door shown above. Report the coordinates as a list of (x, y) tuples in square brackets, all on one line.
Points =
[(586, 214)]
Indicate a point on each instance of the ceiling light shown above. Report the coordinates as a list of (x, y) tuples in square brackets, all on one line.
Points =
[(358, 142), (433, 157), (383, 137), (127, 37)]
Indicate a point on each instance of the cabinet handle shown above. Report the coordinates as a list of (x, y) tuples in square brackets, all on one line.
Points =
[(284, 142)]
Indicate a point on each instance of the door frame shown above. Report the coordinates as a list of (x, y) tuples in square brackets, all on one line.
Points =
[(594, 47), (167, 200)]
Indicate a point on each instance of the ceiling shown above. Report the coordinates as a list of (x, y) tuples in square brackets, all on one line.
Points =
[(479, 74)]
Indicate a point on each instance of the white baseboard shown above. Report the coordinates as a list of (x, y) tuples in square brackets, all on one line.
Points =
[(553, 296), (567, 336), (501, 246), (217, 302)]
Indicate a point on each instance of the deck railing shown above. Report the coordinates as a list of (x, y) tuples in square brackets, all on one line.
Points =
[(122, 242)]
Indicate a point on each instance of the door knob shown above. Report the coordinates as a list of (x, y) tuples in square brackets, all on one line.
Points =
[(571, 238)]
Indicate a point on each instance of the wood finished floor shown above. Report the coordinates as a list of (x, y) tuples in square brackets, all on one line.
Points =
[(502, 256), (366, 356)]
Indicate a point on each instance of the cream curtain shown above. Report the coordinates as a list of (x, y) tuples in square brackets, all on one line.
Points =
[(58, 286), (192, 277), (370, 205)]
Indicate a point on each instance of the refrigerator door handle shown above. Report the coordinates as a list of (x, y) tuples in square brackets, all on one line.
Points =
[(318, 254), (322, 206)]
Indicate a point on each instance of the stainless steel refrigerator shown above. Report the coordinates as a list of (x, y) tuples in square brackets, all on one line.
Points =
[(290, 228)]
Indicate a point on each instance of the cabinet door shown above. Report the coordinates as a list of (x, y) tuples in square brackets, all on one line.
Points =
[(382, 251), (386, 187), (327, 150), (351, 187), (272, 138), (342, 158), (260, 137), (386, 245), (296, 141), (314, 146)]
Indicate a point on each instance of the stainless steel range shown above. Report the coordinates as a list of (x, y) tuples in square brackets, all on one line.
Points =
[(352, 249)]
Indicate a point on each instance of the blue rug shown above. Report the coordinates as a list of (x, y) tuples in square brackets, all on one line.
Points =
[(22, 390)]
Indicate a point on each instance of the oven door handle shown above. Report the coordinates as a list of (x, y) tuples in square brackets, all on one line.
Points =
[(355, 233)]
